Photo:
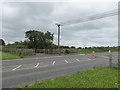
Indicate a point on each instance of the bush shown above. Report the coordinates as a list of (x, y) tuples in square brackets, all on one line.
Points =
[(20, 52), (67, 51)]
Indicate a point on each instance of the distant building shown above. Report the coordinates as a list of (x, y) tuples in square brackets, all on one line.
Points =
[(2, 42)]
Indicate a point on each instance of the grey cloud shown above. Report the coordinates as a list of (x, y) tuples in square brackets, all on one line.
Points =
[(29, 16), (19, 17)]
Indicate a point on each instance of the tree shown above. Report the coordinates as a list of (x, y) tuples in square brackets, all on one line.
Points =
[(48, 41), (39, 40), (2, 42), (79, 47), (72, 46), (65, 47), (18, 44)]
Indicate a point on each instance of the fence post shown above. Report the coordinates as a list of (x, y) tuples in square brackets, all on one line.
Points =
[(110, 59), (118, 63), (93, 54)]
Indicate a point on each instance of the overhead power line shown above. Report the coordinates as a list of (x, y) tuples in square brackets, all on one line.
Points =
[(90, 18)]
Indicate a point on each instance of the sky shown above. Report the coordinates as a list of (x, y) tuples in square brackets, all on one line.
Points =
[(19, 17)]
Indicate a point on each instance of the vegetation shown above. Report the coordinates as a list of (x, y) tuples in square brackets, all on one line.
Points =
[(42, 42), (99, 49), (19, 48), (101, 77), (18, 51), (20, 45), (39, 40), (2, 42), (5, 56)]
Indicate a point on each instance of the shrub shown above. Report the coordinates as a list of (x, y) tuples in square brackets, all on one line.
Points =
[(67, 51), (20, 52)]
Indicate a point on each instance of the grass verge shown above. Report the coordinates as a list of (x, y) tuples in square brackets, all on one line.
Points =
[(5, 56), (101, 77)]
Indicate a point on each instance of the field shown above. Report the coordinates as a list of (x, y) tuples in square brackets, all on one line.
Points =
[(101, 77), (62, 51), (16, 53), (5, 56)]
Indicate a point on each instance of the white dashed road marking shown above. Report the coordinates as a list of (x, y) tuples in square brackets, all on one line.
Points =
[(104, 56), (53, 62), (37, 65), (78, 60), (66, 61), (81, 54), (16, 67)]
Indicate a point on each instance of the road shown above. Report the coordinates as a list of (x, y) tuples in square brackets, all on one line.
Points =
[(20, 72)]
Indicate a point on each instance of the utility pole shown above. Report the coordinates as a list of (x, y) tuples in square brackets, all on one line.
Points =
[(58, 37)]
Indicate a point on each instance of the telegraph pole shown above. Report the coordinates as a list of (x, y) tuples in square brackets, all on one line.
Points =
[(58, 37)]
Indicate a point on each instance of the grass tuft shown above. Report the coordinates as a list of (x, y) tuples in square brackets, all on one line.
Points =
[(5, 56)]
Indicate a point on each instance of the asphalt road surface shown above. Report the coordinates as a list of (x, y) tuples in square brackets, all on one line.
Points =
[(20, 72)]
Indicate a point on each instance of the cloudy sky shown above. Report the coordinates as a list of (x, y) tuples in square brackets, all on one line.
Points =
[(19, 17)]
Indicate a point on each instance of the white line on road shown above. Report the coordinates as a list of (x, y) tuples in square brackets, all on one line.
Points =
[(16, 67), (81, 54), (104, 56), (53, 62), (66, 61), (91, 59), (37, 65), (78, 60)]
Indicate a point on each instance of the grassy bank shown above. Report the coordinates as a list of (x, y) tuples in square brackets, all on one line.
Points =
[(102, 77), (5, 56)]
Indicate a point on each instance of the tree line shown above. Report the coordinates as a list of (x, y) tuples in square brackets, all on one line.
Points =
[(35, 40), (38, 40)]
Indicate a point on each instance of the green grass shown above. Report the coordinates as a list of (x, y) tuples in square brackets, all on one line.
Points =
[(5, 56), (88, 51), (102, 77)]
